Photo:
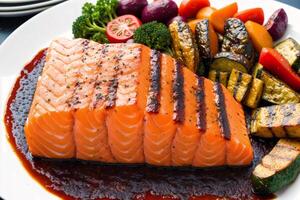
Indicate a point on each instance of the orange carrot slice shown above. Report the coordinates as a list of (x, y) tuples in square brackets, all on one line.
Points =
[(219, 17)]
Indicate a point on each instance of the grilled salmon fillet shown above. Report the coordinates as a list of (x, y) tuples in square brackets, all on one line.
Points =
[(126, 103)]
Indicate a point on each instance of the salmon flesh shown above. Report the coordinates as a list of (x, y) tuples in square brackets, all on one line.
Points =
[(126, 103)]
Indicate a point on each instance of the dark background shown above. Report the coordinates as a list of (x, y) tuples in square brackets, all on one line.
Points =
[(8, 25)]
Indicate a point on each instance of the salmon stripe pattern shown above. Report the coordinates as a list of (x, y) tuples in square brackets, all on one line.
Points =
[(126, 103)]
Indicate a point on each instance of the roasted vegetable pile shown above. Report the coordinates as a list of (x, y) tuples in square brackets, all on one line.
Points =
[(233, 47)]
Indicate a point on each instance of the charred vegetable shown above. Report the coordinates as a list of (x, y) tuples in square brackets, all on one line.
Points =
[(254, 94), (184, 45), (226, 61), (277, 24), (180, 18), (238, 84), (276, 121), (277, 92), (207, 41), (277, 169), (220, 40), (236, 39), (257, 70), (290, 50), (217, 76)]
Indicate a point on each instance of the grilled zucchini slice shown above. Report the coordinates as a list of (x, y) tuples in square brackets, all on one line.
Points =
[(276, 121), (185, 48), (236, 39), (217, 76), (255, 92), (277, 169), (226, 61), (277, 92), (238, 84), (290, 50), (257, 70)]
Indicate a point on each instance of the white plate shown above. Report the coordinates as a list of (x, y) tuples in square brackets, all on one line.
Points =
[(31, 6), (35, 34)]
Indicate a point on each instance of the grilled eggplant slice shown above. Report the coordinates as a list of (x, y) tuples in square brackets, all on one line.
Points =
[(255, 92), (226, 61), (277, 169), (217, 76), (236, 39), (277, 92), (238, 84), (290, 50), (185, 48), (207, 41), (276, 121), (220, 40)]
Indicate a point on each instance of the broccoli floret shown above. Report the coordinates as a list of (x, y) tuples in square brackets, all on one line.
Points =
[(107, 9), (155, 35), (85, 27), (92, 23)]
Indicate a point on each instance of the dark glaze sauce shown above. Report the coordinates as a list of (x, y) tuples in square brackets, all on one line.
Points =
[(88, 180)]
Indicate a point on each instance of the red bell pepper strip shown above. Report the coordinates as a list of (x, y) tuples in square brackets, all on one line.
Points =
[(279, 66), (252, 14)]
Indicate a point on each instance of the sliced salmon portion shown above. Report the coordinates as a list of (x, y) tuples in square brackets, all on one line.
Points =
[(211, 150), (188, 134), (160, 129), (125, 120), (238, 149), (126, 103), (90, 131), (49, 128)]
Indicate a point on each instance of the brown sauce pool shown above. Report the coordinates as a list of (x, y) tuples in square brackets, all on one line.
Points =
[(89, 180)]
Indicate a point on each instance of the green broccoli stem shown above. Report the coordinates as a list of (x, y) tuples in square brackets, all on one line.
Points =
[(169, 51), (94, 27)]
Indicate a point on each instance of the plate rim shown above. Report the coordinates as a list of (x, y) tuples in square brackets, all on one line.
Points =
[(30, 6)]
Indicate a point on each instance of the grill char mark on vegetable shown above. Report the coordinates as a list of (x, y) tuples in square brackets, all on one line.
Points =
[(154, 89), (201, 112), (222, 113), (238, 82), (271, 114), (287, 111), (178, 94)]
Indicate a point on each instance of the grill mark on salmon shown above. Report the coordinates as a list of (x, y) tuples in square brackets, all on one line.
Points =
[(222, 113), (178, 94), (153, 96), (201, 112), (83, 74)]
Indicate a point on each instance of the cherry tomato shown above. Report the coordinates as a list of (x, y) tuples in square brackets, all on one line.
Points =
[(253, 14), (189, 8), (122, 28)]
